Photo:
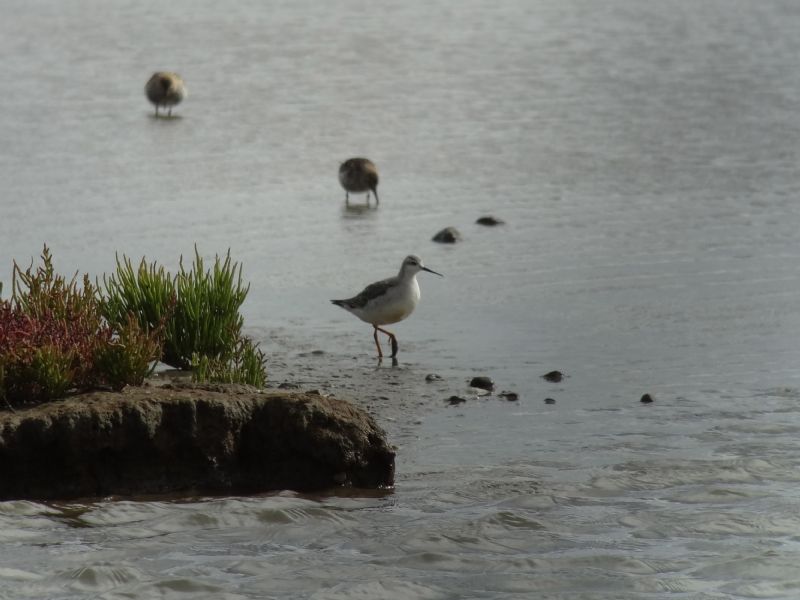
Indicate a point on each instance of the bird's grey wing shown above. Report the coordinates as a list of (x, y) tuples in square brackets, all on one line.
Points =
[(372, 291)]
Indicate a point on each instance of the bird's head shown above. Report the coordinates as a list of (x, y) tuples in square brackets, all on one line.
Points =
[(412, 265)]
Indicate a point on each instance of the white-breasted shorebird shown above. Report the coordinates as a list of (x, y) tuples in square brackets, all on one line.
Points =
[(359, 175), (165, 89), (388, 301)]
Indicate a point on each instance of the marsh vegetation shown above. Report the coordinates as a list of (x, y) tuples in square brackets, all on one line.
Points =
[(60, 335)]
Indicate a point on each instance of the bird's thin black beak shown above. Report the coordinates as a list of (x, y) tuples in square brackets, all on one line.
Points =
[(431, 271)]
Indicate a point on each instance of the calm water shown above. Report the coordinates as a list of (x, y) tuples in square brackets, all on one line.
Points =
[(644, 156)]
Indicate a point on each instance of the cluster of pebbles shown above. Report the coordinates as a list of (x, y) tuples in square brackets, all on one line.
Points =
[(484, 386), (451, 235)]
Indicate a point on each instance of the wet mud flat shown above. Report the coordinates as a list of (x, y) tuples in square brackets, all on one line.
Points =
[(397, 393)]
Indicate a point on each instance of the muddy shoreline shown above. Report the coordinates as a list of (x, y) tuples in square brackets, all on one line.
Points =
[(189, 438)]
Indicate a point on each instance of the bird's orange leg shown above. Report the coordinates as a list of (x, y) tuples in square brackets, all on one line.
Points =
[(377, 343), (391, 339)]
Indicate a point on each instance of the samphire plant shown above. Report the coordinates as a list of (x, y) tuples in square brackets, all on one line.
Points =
[(54, 338), (59, 335), (246, 365), (199, 309)]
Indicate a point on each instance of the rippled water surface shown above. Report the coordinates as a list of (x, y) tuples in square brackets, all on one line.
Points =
[(644, 157)]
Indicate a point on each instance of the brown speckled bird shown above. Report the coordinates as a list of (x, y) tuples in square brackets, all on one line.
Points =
[(359, 175), (165, 89)]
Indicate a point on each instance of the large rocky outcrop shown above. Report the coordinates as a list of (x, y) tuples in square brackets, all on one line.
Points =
[(192, 439)]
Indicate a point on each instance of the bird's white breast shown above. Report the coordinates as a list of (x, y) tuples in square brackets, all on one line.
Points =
[(395, 305)]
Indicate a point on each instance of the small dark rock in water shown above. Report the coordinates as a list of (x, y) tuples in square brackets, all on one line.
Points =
[(510, 396), (490, 221), (453, 400), (549, 400), (647, 399), (554, 376), (484, 383), (432, 377), (288, 386), (448, 235)]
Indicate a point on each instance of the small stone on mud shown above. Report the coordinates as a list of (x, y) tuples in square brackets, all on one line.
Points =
[(448, 235), (482, 382), (432, 377), (647, 399), (490, 221), (549, 400), (554, 376), (453, 400), (510, 396)]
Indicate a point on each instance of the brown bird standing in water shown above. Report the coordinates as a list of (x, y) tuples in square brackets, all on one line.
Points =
[(359, 175), (165, 89)]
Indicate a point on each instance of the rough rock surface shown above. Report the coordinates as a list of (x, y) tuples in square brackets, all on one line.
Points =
[(448, 235), (482, 382), (490, 221), (554, 376), (189, 438)]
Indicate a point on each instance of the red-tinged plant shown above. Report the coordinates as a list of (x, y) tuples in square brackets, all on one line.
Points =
[(37, 361), (53, 339), (126, 358)]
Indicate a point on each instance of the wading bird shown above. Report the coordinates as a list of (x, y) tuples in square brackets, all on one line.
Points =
[(359, 175), (388, 301), (165, 89)]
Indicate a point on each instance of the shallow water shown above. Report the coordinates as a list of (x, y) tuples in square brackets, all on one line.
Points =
[(643, 156)]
